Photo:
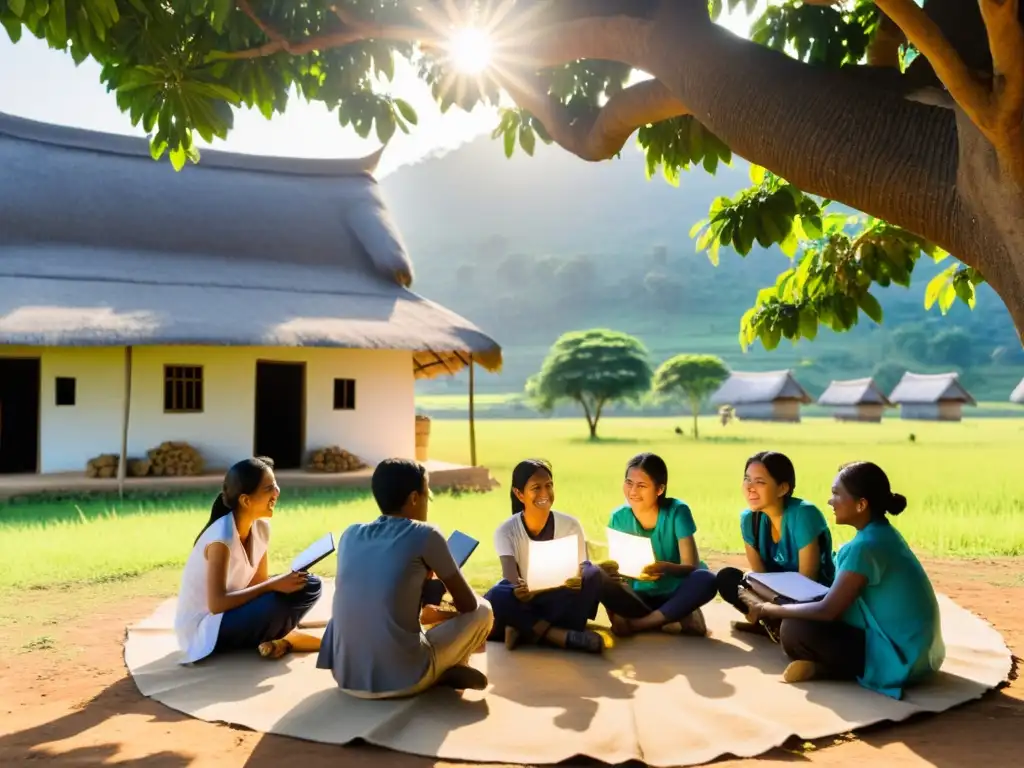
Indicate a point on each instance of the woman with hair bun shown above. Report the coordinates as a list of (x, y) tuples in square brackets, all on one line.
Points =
[(879, 623)]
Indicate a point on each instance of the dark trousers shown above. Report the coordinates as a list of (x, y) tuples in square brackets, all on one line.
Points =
[(563, 608), (697, 589), (270, 616), (727, 583), (835, 645)]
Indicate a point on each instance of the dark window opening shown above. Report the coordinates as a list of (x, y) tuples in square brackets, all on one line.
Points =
[(183, 388), (64, 390), (344, 394)]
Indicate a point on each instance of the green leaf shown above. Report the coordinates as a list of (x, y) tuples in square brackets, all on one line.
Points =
[(808, 323), (697, 228), (770, 337), (870, 306), (58, 20), (178, 157), (385, 125), (526, 139), (220, 11), (407, 112), (790, 244), (17, 7), (13, 27), (510, 141), (812, 227), (946, 297), (756, 174), (935, 286)]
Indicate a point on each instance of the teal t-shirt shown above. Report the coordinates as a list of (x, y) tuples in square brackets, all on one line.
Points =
[(897, 610), (675, 522), (802, 524)]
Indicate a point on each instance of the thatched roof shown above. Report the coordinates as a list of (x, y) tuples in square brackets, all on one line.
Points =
[(1017, 396), (853, 392), (102, 246), (748, 388), (927, 389)]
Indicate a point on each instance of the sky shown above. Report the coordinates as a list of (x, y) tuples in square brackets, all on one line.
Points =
[(44, 84)]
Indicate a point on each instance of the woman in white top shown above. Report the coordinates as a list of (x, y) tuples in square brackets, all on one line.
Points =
[(227, 600), (554, 617)]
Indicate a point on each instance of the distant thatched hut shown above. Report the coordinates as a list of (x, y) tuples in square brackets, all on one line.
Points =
[(931, 397), (855, 400), (1017, 396), (767, 396)]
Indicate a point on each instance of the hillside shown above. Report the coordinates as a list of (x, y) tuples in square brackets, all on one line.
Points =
[(531, 247)]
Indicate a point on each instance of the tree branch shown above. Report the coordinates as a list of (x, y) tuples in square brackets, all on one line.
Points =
[(1006, 42), (925, 35), (601, 135)]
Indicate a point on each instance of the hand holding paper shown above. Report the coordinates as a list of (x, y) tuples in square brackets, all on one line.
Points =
[(632, 553), (552, 563)]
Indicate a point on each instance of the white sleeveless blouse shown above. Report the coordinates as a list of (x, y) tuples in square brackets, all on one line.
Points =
[(194, 625)]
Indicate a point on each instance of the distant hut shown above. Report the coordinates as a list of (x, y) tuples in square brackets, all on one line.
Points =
[(767, 396), (1018, 394), (855, 400), (931, 397)]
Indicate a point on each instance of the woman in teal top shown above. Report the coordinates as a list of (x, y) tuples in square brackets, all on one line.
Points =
[(879, 622), (677, 584), (781, 532)]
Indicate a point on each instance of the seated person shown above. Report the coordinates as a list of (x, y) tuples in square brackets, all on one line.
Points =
[(375, 643), (556, 617), (781, 532), (227, 600), (677, 584), (879, 622)]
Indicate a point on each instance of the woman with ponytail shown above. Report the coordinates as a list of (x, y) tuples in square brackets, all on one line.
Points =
[(227, 600), (555, 617), (879, 623)]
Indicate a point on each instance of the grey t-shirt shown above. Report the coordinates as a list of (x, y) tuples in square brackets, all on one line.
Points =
[(374, 642)]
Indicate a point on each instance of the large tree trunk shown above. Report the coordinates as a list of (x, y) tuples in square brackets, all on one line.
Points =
[(837, 135)]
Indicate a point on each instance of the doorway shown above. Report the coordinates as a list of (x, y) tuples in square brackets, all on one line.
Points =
[(280, 412), (19, 415)]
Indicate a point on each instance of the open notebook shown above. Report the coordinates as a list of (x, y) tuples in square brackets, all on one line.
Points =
[(314, 553), (787, 587)]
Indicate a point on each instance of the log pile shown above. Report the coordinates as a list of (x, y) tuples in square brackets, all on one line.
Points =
[(334, 459), (175, 459), (104, 465)]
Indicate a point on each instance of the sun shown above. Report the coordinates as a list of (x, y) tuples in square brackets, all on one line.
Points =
[(470, 50)]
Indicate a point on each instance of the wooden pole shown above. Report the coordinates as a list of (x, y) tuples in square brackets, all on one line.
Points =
[(472, 415), (122, 465)]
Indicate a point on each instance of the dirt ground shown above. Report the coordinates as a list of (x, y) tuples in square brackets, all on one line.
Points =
[(66, 698)]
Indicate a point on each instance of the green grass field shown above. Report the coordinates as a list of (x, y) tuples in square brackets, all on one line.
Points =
[(962, 481)]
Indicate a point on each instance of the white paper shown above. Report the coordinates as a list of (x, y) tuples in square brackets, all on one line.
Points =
[(319, 548), (632, 553), (551, 563), (790, 584)]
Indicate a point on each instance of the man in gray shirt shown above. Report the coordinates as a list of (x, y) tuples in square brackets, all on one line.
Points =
[(375, 643)]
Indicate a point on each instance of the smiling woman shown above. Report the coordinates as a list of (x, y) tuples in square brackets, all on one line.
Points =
[(470, 50)]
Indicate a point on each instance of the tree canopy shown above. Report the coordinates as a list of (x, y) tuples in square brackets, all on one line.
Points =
[(692, 378), (911, 114), (592, 368)]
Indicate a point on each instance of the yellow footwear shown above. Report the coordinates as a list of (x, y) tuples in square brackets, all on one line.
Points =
[(274, 649), (800, 672)]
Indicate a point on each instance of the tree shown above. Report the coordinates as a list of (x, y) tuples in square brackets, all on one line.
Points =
[(690, 377), (910, 115), (592, 368)]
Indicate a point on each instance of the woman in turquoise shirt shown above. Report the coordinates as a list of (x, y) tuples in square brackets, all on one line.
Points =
[(677, 584), (879, 622), (781, 532)]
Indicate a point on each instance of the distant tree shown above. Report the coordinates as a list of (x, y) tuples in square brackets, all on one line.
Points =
[(659, 256), (692, 378), (592, 368), (666, 293), (576, 276)]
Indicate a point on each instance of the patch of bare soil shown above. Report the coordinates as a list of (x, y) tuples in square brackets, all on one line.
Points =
[(68, 700)]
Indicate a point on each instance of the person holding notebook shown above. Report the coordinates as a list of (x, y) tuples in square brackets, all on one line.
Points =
[(879, 624), (673, 589), (781, 533), (227, 600), (375, 643), (556, 617)]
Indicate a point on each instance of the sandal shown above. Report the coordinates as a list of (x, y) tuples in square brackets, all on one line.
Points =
[(274, 649), (585, 640)]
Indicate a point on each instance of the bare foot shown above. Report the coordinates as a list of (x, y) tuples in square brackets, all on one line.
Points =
[(694, 625), (274, 649), (801, 672), (621, 627)]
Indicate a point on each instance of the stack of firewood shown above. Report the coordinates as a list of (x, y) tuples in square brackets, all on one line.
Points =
[(175, 459), (334, 459)]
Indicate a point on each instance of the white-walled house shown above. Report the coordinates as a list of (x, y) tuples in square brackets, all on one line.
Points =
[(260, 305), (762, 396), (855, 400), (931, 397)]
